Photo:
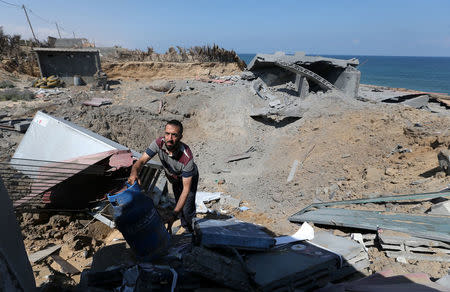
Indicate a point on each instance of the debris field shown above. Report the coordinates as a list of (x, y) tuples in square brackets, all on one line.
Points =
[(292, 139)]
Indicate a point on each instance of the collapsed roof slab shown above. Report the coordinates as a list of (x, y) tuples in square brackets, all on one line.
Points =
[(327, 73)]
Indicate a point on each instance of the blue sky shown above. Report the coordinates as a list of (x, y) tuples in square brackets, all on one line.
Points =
[(364, 27)]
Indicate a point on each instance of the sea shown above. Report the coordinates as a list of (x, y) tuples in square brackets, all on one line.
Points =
[(430, 74)]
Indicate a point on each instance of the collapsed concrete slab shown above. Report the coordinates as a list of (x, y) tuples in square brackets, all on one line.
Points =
[(320, 72)]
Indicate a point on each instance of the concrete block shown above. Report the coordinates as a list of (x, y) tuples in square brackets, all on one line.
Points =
[(348, 81)]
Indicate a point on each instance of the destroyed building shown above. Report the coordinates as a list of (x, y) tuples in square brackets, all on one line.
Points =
[(310, 73), (69, 63)]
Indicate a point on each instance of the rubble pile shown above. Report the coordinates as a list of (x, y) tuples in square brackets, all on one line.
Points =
[(293, 140)]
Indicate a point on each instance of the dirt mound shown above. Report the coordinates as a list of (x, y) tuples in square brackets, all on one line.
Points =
[(169, 70)]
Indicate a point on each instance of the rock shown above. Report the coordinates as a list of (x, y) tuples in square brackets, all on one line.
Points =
[(160, 85), (418, 182), (248, 75), (277, 198), (229, 201), (67, 238), (332, 191), (440, 174), (98, 230), (40, 218), (444, 160), (59, 221), (80, 242), (390, 171), (216, 170)]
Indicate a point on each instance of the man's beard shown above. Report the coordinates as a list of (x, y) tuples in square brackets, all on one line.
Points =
[(172, 146)]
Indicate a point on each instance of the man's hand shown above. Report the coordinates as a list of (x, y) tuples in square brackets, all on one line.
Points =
[(136, 168), (133, 178), (173, 216)]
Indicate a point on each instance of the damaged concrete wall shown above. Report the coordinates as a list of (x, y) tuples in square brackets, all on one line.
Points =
[(66, 63), (15, 269)]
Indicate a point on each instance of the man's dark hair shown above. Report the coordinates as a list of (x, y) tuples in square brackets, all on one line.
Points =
[(176, 123)]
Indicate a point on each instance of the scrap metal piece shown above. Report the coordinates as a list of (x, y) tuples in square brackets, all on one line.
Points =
[(232, 233), (425, 226), (42, 254), (293, 267), (382, 199), (62, 140)]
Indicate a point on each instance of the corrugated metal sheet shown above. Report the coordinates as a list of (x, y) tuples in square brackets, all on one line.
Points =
[(55, 139), (426, 226)]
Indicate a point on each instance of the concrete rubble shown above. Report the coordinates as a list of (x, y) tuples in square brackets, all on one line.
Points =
[(284, 81)]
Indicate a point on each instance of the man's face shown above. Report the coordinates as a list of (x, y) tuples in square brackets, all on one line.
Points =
[(172, 136)]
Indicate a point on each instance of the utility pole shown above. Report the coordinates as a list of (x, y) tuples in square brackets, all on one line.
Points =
[(58, 29), (26, 14)]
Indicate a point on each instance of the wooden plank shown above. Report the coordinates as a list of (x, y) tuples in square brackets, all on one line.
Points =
[(42, 254), (425, 226), (66, 267)]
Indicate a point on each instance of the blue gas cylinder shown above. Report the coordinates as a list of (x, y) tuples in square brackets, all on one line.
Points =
[(138, 220)]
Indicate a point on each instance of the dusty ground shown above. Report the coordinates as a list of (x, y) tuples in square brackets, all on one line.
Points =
[(349, 144)]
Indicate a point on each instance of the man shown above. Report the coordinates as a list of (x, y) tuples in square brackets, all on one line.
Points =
[(180, 169)]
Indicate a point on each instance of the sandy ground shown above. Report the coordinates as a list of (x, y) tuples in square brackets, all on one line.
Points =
[(350, 145)]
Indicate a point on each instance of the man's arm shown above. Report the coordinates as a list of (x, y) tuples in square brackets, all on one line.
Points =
[(136, 168), (187, 181)]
